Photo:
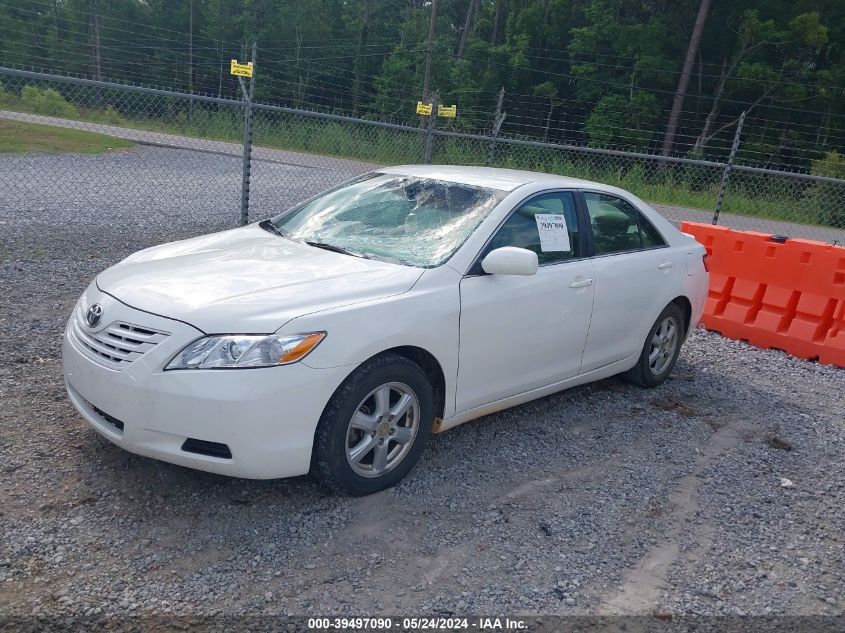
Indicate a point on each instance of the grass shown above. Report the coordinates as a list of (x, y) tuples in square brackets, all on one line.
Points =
[(19, 137)]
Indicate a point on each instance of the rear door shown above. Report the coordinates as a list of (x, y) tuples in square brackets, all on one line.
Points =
[(635, 277), (518, 333)]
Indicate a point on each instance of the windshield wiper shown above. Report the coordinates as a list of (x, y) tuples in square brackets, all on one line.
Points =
[(267, 225), (333, 248)]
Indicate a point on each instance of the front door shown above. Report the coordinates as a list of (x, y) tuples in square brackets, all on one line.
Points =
[(519, 333)]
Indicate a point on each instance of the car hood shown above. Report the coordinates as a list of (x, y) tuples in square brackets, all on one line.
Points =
[(247, 280)]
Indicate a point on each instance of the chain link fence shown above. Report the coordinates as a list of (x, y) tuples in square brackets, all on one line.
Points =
[(689, 184), (187, 163)]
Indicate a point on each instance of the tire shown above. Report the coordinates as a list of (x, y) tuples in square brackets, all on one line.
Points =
[(357, 446), (651, 372)]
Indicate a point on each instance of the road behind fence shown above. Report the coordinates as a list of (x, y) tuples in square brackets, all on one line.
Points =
[(322, 149)]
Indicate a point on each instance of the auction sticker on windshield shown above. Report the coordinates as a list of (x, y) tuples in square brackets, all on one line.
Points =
[(553, 233)]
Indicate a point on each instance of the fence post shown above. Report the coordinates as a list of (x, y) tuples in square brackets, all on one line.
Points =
[(498, 119), (247, 163), (726, 174), (432, 125)]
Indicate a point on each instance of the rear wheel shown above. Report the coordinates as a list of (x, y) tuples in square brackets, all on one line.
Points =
[(661, 349), (374, 428)]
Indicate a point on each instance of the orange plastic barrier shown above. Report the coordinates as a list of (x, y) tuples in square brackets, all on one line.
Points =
[(785, 295)]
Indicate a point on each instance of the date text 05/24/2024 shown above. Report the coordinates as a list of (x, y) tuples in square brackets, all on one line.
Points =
[(417, 624)]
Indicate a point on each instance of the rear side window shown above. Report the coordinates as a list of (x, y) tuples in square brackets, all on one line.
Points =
[(651, 237), (559, 239), (617, 226)]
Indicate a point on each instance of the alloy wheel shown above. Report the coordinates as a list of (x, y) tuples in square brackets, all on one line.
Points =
[(664, 343), (382, 429)]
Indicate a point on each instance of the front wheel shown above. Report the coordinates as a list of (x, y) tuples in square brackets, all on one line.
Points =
[(661, 349), (374, 428)]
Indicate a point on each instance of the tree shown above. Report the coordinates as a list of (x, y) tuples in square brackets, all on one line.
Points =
[(683, 81), (362, 46), (429, 50), (756, 37), (650, 75), (472, 9), (623, 123), (548, 90)]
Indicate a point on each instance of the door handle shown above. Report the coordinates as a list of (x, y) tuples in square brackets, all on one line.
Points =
[(665, 265), (581, 283)]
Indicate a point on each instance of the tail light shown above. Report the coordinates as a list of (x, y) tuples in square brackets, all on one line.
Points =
[(706, 259)]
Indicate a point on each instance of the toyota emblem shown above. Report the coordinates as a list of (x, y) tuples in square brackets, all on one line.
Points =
[(95, 313)]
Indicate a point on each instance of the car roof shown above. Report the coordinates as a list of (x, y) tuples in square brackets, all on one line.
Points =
[(491, 177)]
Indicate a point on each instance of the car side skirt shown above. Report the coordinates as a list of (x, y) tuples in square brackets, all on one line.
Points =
[(511, 401)]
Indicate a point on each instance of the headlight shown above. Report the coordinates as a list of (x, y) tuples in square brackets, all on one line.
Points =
[(238, 351)]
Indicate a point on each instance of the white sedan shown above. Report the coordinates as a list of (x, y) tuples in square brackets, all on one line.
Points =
[(336, 336)]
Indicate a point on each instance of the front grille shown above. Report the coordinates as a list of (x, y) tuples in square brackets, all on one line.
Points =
[(108, 418), (204, 447), (116, 345)]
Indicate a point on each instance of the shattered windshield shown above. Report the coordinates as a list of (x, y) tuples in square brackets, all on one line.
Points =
[(405, 219)]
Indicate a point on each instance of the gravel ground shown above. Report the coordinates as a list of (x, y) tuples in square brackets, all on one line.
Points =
[(605, 499)]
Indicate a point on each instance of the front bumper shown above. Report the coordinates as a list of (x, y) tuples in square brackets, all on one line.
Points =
[(266, 417)]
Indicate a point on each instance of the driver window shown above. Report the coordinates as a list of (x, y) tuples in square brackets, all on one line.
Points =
[(522, 228)]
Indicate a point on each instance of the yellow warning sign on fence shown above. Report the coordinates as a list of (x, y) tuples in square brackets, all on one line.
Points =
[(447, 111), (241, 70), (423, 108)]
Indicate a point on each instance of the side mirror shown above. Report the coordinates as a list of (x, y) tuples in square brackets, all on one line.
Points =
[(510, 260)]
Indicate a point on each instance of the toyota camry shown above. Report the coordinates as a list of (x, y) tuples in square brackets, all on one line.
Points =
[(335, 337)]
